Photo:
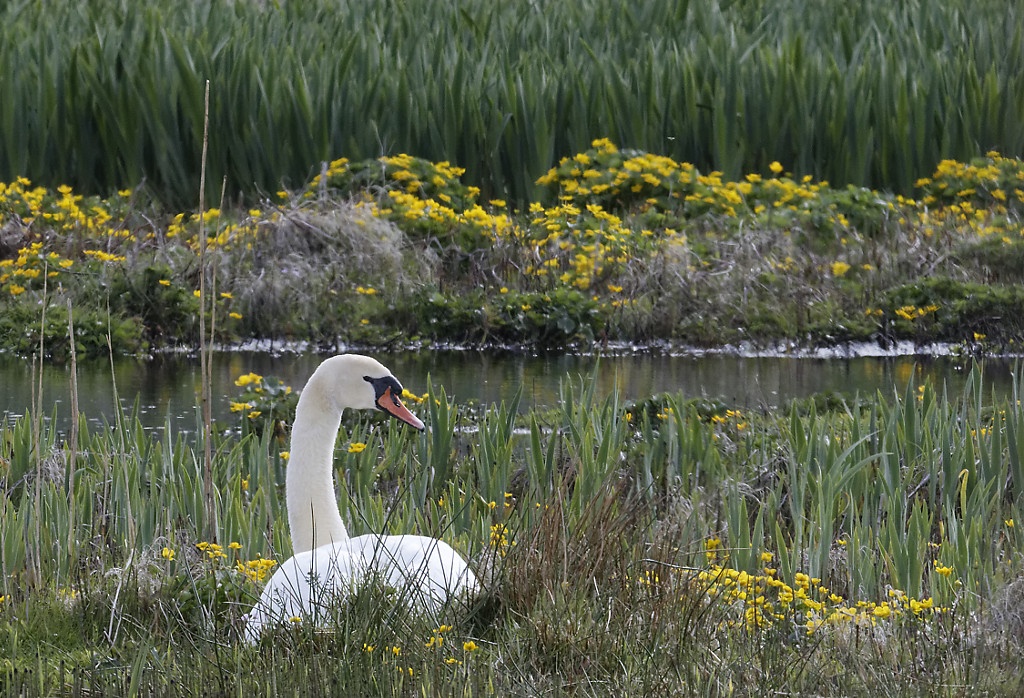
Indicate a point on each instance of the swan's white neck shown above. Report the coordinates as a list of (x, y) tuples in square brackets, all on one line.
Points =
[(313, 515)]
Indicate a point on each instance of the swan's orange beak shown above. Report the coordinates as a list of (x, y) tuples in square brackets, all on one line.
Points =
[(393, 406)]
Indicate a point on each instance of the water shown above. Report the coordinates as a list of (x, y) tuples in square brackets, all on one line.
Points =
[(167, 387)]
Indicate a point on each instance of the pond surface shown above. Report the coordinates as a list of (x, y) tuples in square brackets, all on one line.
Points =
[(167, 386)]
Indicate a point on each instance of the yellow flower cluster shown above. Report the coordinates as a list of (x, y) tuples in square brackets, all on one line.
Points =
[(335, 169), (437, 640), (102, 256), (579, 246), (984, 197), (912, 312), (409, 207), (499, 539), (413, 397), (30, 267), (213, 550), (256, 570), (222, 232), (764, 601), (61, 210), (248, 379)]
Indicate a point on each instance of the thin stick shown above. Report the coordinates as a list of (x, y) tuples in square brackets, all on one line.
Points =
[(37, 427), (73, 455), (204, 359)]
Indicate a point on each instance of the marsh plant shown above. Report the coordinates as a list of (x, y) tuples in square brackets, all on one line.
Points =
[(872, 93), (670, 544), (621, 245)]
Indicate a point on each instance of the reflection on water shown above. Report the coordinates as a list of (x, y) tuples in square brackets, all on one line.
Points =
[(167, 387)]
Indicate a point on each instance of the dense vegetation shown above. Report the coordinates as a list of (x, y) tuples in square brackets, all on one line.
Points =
[(109, 93), (551, 175), (624, 245), (667, 545)]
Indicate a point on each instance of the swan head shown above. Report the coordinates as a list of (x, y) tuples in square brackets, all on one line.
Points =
[(362, 383)]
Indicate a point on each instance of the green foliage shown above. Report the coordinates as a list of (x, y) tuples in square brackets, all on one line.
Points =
[(163, 308), (560, 318), (22, 320), (952, 310), (727, 86), (739, 547), (265, 401), (637, 248), (999, 260)]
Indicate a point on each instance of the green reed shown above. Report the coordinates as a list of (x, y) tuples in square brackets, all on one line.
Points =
[(870, 93), (589, 522)]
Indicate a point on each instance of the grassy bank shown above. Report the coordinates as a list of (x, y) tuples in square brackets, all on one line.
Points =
[(666, 545), (871, 93), (623, 245)]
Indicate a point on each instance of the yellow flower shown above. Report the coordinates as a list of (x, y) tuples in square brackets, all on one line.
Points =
[(254, 414), (470, 646), (907, 312), (248, 378), (840, 268), (212, 550), (164, 282), (1009, 523), (225, 295), (167, 554), (978, 336), (235, 545), (940, 569), (882, 611), (285, 455), (368, 648), (356, 447), (923, 605), (235, 316), (16, 290), (775, 167)]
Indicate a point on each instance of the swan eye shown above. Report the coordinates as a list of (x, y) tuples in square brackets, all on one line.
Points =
[(385, 387), (387, 392)]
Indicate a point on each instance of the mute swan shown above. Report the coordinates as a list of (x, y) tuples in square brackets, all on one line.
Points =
[(327, 564)]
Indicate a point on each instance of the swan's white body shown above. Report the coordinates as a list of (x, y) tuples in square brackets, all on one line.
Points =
[(327, 563)]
